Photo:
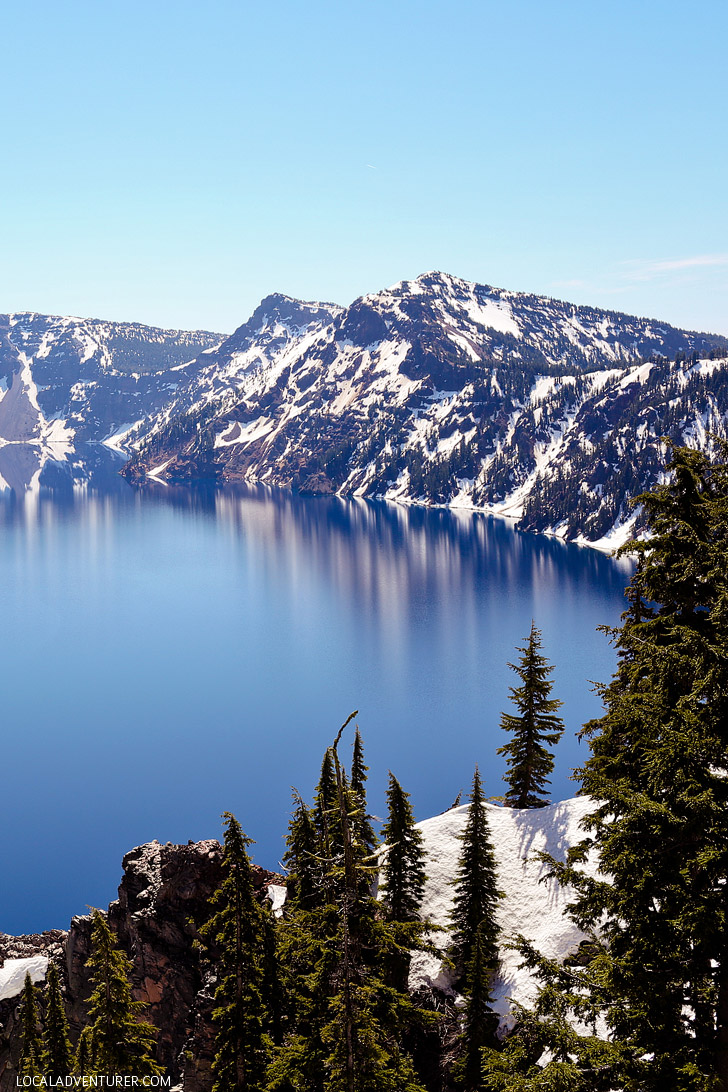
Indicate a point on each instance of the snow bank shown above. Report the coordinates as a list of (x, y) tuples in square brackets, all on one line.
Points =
[(532, 906), (13, 972), (277, 895)]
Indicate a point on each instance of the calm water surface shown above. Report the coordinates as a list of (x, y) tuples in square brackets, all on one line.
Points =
[(168, 654)]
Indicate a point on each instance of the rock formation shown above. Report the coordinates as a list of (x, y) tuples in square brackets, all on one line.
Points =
[(163, 898)]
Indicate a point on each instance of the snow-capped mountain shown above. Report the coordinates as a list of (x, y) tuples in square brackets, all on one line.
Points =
[(69, 379), (440, 391), (435, 391)]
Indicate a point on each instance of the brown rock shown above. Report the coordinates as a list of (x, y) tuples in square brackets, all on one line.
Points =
[(163, 899)]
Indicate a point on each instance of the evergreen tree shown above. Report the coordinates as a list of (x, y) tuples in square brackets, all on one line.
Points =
[(308, 958), (403, 869), (325, 810), (657, 978), (367, 1017), (31, 1050), (58, 1053), (402, 879), (83, 1063), (358, 786), (529, 761), (121, 1043), (348, 1023), (271, 984), (307, 940), (480, 1021), (476, 890), (305, 883), (236, 934)]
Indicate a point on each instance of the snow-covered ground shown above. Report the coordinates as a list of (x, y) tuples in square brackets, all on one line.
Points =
[(13, 972), (532, 906)]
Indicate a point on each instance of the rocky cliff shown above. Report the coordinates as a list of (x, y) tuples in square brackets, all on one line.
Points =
[(163, 897)]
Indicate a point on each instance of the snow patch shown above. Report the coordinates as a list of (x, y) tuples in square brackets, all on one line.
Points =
[(277, 895), (495, 316), (13, 972), (533, 906), (115, 439), (621, 532)]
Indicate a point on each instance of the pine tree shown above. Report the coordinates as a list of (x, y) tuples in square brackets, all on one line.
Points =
[(480, 1022), (307, 941), (476, 890), (529, 761), (83, 1062), (302, 859), (121, 1043), (308, 958), (325, 810), (58, 1054), (358, 787), (402, 880), (367, 1017), (657, 978), (348, 1024), (31, 1050), (403, 869), (236, 932)]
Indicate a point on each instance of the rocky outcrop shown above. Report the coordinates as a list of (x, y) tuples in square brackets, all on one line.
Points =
[(164, 897)]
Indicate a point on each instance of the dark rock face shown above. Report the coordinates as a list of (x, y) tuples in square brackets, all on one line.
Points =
[(163, 899), (362, 326)]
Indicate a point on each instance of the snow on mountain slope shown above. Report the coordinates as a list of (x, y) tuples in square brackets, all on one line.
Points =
[(68, 378), (439, 391), (252, 357), (435, 391), (532, 907)]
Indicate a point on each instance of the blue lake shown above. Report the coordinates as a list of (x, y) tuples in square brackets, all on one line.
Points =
[(170, 653)]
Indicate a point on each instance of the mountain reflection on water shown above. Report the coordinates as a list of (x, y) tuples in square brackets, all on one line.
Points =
[(177, 651)]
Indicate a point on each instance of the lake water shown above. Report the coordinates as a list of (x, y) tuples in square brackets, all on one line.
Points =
[(170, 653)]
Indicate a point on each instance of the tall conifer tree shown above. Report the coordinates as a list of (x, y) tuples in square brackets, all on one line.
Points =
[(83, 1062), (31, 1050), (305, 884), (58, 1053), (236, 932), (325, 811), (122, 1044), (359, 788), (368, 1017), (480, 1022), (657, 978), (348, 1023), (534, 729), (403, 868), (476, 889), (307, 956)]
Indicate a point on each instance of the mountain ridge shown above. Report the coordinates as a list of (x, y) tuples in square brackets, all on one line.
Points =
[(443, 392), (436, 391)]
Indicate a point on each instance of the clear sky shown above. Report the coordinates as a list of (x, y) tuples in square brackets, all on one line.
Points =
[(172, 162)]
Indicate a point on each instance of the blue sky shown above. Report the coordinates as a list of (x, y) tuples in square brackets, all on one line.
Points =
[(173, 162)]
